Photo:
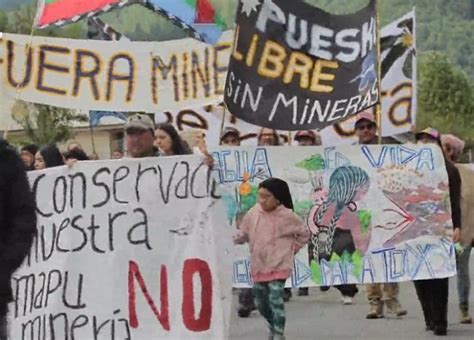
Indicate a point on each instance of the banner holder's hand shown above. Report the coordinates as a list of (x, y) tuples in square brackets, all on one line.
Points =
[(456, 235), (70, 162), (208, 160)]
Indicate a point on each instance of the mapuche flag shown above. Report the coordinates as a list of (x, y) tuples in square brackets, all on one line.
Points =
[(58, 12)]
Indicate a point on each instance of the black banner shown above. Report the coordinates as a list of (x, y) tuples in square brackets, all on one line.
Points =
[(295, 66)]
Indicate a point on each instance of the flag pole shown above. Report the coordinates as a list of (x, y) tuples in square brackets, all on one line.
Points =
[(223, 121), (378, 107), (92, 135)]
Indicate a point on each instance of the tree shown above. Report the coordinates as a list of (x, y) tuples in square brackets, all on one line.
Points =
[(3, 21), (45, 124), (445, 97), (21, 20)]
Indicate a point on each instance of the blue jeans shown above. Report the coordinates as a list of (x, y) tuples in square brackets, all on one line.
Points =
[(464, 281)]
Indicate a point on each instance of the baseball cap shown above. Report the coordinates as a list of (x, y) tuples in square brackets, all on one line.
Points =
[(140, 121), (228, 131), (364, 115), (430, 132), (305, 133)]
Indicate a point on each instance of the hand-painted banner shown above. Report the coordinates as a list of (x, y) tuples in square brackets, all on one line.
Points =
[(296, 67), (376, 213), (113, 75), (209, 120), (398, 84), (117, 256)]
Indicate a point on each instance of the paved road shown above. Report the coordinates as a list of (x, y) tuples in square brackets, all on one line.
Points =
[(322, 316)]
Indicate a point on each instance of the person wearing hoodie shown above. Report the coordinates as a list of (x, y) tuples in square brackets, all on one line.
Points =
[(48, 157), (17, 224), (433, 293), (453, 148), (275, 234)]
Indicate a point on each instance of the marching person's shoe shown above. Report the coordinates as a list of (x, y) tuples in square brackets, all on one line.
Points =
[(287, 294), (440, 330), (394, 307), (375, 311), (347, 300), (465, 318), (303, 291)]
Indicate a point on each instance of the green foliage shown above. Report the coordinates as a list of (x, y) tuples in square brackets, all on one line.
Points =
[(48, 124), (445, 97), (3, 21), (21, 20), (313, 163), (365, 217)]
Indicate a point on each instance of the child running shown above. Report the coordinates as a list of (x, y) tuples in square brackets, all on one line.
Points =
[(275, 233)]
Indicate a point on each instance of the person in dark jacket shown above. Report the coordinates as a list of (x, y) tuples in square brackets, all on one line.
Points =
[(17, 224), (48, 157), (433, 293)]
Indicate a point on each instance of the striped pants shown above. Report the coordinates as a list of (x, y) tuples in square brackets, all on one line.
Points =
[(270, 304)]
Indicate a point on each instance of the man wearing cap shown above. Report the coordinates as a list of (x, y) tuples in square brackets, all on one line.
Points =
[(366, 128), (230, 136), (140, 136), (307, 138), (453, 148), (433, 293), (378, 294)]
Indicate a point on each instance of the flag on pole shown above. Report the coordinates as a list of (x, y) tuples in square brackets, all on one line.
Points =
[(199, 17), (61, 12)]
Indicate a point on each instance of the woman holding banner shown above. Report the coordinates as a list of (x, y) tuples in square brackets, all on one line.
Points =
[(433, 293)]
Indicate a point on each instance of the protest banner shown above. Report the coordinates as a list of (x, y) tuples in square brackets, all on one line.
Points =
[(113, 75), (209, 120), (376, 213), (294, 66), (398, 84), (129, 249)]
